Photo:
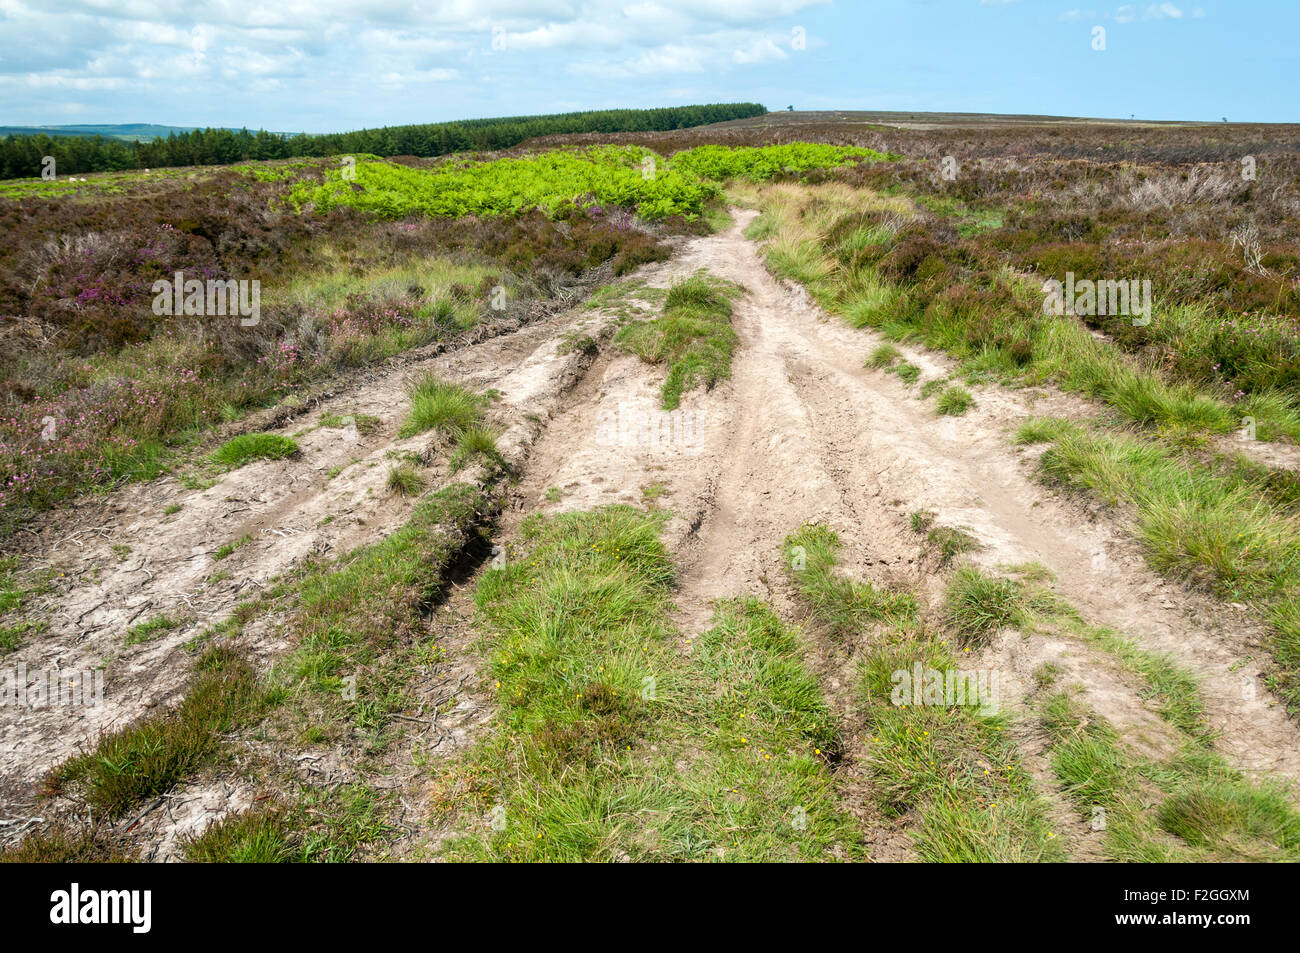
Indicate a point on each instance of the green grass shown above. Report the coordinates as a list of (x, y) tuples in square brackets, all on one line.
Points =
[(15, 592), (1231, 530), (477, 442), (847, 607), (884, 356), (976, 605), (248, 447), (907, 372), (614, 742), (151, 628), (951, 769), (146, 759), (261, 836), (351, 609), (912, 285), (404, 480), (604, 175), (692, 336), (573, 342), (443, 406), (225, 549), (954, 402), (599, 175)]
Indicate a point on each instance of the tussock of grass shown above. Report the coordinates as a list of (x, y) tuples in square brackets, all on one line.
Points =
[(867, 257), (238, 451), (884, 356), (261, 836), (907, 372), (404, 480), (954, 402), (976, 605), (693, 336), (441, 405), (477, 442)]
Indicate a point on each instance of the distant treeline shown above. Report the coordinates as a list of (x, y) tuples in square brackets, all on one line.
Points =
[(22, 156)]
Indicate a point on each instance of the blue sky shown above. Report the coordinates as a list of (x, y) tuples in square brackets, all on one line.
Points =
[(325, 65)]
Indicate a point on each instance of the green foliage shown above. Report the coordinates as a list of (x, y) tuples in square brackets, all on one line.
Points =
[(693, 336), (755, 163), (595, 176), (248, 447), (603, 175)]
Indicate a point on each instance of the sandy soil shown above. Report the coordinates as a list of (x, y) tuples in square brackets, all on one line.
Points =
[(802, 431), (805, 432)]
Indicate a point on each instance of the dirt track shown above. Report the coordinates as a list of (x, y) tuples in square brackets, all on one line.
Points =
[(803, 431)]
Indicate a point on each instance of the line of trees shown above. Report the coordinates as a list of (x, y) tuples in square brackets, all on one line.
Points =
[(22, 156)]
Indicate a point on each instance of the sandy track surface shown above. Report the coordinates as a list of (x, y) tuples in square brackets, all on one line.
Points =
[(803, 431)]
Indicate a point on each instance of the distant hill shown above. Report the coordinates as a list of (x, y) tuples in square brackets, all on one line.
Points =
[(23, 149), (127, 131)]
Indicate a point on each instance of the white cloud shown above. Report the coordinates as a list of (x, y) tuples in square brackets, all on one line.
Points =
[(210, 54), (1131, 13), (762, 50), (664, 60)]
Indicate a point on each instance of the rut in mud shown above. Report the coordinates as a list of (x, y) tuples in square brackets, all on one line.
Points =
[(138, 561)]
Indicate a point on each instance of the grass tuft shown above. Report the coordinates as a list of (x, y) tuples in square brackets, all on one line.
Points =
[(238, 451)]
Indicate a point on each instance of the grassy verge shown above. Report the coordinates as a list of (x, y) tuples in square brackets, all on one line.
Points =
[(948, 767), (1234, 530), (1192, 807), (873, 260), (618, 741), (692, 336), (361, 615)]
